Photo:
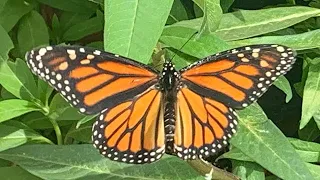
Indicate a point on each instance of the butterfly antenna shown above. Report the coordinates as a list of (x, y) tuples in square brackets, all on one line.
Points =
[(170, 59)]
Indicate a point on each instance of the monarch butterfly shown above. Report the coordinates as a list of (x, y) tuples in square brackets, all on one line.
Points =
[(144, 113)]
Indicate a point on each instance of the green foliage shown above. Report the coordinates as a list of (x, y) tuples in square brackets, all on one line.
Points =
[(34, 119)]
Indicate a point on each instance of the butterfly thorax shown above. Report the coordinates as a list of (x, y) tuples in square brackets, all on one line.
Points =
[(169, 81)]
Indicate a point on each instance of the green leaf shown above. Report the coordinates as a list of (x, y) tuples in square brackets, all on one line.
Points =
[(17, 79), (315, 170), (236, 154), (45, 90), (310, 132), (283, 84), (180, 59), (263, 142), (307, 40), (131, 30), (37, 120), (22, 71), (226, 4), (32, 32), (84, 161), (13, 136), (248, 170), (212, 15), (177, 12), (6, 44), (72, 5), (203, 46), (309, 156), (86, 119), (308, 151), (316, 118), (15, 107), (311, 95), (82, 134), (6, 94), (246, 23), (69, 19), (12, 12), (305, 145), (2, 4), (84, 28), (16, 173), (60, 109)]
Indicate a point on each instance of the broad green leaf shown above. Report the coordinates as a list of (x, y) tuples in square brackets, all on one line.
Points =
[(6, 44), (82, 133), (226, 4), (236, 154), (309, 156), (305, 145), (12, 136), (248, 170), (45, 90), (37, 120), (84, 28), (86, 119), (178, 37), (12, 12), (283, 84), (177, 12), (16, 173), (96, 44), (212, 15), (84, 161), (60, 109), (246, 23), (72, 5), (15, 107), (180, 59), (2, 4), (55, 31), (307, 40), (24, 74), (6, 94), (132, 28), (311, 95), (308, 151), (263, 142), (5, 163), (16, 79), (315, 170), (310, 132), (69, 19), (32, 32), (316, 118)]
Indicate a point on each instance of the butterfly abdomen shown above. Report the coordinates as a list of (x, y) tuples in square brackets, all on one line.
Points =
[(169, 123)]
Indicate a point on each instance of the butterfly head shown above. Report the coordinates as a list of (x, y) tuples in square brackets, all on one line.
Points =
[(169, 77)]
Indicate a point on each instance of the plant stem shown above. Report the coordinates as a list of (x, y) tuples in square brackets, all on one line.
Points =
[(57, 131)]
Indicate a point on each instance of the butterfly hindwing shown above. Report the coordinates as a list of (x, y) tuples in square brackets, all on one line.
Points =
[(90, 79), (132, 131), (240, 76), (203, 125)]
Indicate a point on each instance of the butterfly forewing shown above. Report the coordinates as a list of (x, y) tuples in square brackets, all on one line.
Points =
[(89, 79), (240, 76)]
